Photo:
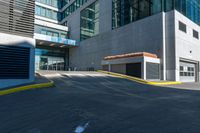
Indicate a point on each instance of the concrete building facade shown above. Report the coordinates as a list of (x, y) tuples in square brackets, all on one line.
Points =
[(171, 32), (17, 46), (52, 38), (83, 34)]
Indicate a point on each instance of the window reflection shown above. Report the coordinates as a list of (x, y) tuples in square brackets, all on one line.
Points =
[(90, 21), (127, 11)]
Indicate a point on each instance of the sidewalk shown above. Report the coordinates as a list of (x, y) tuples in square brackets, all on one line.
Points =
[(187, 86), (139, 80), (40, 82), (40, 79)]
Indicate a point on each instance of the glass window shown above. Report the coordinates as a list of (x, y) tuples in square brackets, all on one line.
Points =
[(181, 74), (189, 8), (55, 3), (73, 7), (48, 13), (55, 34), (182, 27), (195, 34), (185, 74), (144, 8), (168, 5), (90, 21), (54, 15), (49, 33), (63, 35), (43, 1), (44, 32), (181, 68), (48, 2), (156, 6), (192, 74), (127, 11), (43, 12), (37, 10)]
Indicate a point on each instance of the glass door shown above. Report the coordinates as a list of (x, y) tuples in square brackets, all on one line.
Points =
[(49, 63), (43, 63)]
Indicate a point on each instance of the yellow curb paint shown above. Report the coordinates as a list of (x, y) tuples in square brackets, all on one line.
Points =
[(27, 87), (140, 80)]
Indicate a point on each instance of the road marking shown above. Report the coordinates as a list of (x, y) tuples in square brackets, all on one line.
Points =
[(139, 80), (27, 87), (52, 75), (81, 129)]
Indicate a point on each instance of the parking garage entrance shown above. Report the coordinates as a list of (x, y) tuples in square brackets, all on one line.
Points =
[(188, 71), (134, 69), (141, 64)]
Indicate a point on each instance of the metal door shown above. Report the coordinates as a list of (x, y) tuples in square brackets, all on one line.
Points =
[(187, 72)]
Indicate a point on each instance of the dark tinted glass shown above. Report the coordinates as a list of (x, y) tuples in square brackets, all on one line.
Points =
[(182, 27), (195, 34)]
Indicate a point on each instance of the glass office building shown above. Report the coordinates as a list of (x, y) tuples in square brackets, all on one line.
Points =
[(52, 38), (101, 19), (48, 13), (127, 11), (90, 21), (72, 7)]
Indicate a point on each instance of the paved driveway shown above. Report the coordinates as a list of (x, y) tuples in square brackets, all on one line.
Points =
[(101, 104)]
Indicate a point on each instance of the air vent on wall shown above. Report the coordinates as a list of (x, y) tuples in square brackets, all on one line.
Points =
[(14, 62)]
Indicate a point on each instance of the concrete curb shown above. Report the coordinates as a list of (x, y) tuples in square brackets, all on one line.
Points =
[(140, 80), (27, 87)]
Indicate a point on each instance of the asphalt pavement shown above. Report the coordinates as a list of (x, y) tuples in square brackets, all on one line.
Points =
[(98, 103)]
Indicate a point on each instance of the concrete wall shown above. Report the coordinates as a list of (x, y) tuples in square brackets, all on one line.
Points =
[(170, 45), (186, 46), (119, 68), (6, 39), (158, 34), (120, 64), (143, 35)]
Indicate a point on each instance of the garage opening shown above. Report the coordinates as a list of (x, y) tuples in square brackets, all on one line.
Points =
[(134, 69), (188, 71), (152, 71), (140, 64)]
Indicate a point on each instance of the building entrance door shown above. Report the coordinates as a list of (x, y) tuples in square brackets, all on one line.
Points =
[(43, 64), (50, 59), (50, 63), (56, 64)]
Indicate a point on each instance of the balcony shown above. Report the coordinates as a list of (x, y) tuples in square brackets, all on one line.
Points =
[(55, 40)]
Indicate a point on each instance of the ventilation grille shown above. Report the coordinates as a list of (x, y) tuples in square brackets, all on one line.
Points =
[(152, 71), (17, 17), (14, 62)]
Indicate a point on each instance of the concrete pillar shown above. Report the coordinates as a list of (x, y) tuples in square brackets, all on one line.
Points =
[(109, 67), (143, 70), (198, 72), (164, 49), (66, 59), (177, 70)]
